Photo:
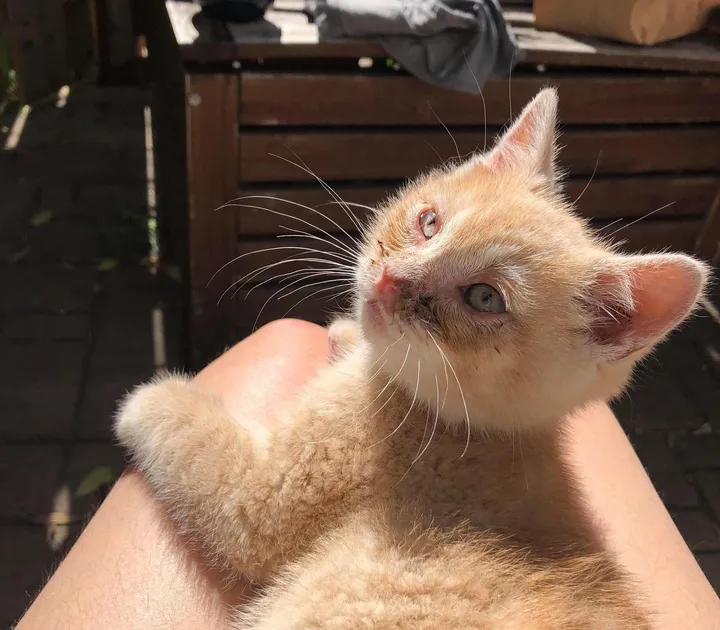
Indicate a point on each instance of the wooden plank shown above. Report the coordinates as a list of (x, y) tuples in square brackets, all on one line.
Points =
[(603, 198), (708, 241), (211, 113), (358, 155), (696, 53), (363, 99), (654, 235)]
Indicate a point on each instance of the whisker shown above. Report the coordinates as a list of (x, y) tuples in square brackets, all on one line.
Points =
[(477, 83), (435, 423), (457, 150), (447, 379), (314, 293), (302, 234), (272, 249), (305, 274), (353, 204), (645, 216), (283, 288), (374, 374), (381, 407), (374, 363), (332, 266), (412, 404), (322, 182), (288, 216), (436, 153), (462, 393), (290, 259), (390, 382), (313, 284), (590, 180)]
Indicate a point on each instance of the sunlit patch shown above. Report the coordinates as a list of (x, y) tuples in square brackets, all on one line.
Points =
[(17, 128), (62, 96), (57, 528)]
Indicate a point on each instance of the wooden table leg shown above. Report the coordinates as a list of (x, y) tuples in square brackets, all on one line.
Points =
[(211, 102)]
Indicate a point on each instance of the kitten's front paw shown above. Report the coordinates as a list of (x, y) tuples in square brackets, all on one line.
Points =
[(343, 335), (145, 414)]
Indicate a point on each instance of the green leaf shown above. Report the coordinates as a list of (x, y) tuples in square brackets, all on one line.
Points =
[(107, 264), (94, 479), (41, 218)]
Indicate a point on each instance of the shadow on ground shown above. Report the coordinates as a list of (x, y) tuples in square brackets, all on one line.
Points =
[(82, 316)]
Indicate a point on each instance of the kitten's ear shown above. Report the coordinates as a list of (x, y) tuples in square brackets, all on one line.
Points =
[(637, 300), (530, 141)]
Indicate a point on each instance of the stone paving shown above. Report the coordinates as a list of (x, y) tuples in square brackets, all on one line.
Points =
[(76, 306)]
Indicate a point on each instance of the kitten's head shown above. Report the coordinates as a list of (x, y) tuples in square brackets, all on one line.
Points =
[(482, 274)]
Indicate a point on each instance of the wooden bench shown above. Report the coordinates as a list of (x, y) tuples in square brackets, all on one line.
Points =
[(643, 124)]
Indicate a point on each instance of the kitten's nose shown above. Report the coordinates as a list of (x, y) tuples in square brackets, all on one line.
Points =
[(386, 290)]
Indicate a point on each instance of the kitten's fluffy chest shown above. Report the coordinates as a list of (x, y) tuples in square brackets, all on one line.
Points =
[(513, 486)]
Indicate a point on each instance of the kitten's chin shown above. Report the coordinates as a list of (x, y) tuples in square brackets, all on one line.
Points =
[(374, 322)]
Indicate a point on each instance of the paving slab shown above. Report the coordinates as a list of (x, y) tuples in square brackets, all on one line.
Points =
[(698, 530), (667, 475), (39, 387), (29, 480), (700, 451), (33, 288)]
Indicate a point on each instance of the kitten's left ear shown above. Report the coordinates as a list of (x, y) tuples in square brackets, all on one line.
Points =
[(636, 300), (530, 142)]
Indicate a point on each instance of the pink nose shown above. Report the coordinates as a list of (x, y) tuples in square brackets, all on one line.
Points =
[(386, 290)]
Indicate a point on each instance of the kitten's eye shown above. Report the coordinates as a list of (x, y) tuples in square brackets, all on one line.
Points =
[(484, 298), (428, 223)]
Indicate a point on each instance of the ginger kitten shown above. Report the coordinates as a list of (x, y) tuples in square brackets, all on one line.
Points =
[(419, 483)]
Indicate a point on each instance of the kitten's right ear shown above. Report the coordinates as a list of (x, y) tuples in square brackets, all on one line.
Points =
[(636, 300), (530, 142)]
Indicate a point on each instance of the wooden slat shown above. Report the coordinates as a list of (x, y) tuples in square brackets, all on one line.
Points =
[(211, 109), (653, 235), (708, 241), (696, 53), (603, 198), (345, 155), (357, 99)]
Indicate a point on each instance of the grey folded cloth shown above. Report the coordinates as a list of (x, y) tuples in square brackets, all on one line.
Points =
[(443, 43)]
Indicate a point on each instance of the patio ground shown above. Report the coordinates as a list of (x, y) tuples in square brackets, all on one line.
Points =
[(81, 317)]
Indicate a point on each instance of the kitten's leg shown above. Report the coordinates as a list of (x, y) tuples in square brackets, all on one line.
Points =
[(343, 335), (247, 500)]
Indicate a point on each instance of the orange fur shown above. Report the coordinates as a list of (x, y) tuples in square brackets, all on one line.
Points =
[(419, 483)]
